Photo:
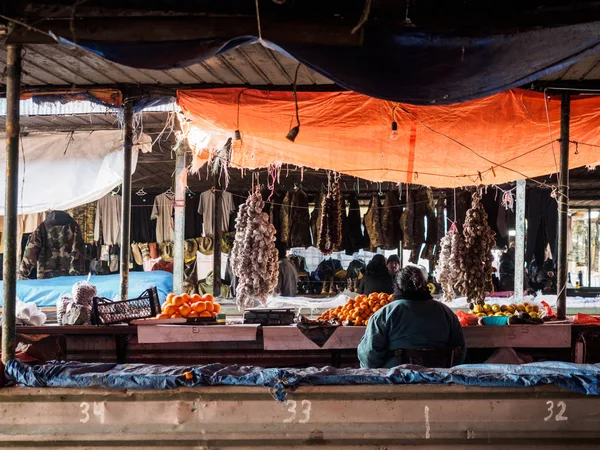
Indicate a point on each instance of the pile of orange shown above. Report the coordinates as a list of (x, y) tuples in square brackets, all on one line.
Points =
[(359, 310), (185, 305)]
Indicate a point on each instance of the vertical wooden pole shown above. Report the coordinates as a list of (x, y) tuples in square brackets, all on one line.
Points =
[(179, 235), (126, 197), (218, 235), (520, 241), (563, 205), (13, 129), (589, 258)]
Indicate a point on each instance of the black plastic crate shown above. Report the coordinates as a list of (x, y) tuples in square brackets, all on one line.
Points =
[(266, 316), (107, 312)]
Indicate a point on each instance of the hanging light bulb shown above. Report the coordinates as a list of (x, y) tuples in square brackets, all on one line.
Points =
[(293, 133), (238, 135), (394, 134)]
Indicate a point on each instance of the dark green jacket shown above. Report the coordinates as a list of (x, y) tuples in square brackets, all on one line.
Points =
[(408, 324)]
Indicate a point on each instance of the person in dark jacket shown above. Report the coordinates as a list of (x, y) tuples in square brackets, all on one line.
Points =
[(377, 278), (287, 283), (414, 320)]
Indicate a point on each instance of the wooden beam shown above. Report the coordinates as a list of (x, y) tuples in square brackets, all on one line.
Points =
[(179, 234), (126, 197), (520, 241), (563, 206)]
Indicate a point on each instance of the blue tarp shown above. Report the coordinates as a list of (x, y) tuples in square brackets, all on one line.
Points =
[(404, 65), (581, 378), (45, 293)]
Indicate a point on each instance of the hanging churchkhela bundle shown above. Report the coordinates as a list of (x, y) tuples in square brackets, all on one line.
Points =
[(254, 256), (450, 260), (476, 269), (330, 231)]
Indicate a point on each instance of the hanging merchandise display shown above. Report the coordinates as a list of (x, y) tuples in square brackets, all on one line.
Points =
[(315, 218), (295, 220), (440, 221), (372, 222), (390, 221), (476, 269), (431, 238), (254, 256), (450, 262), (353, 227), (162, 212), (206, 208), (419, 206), (330, 231), (108, 217)]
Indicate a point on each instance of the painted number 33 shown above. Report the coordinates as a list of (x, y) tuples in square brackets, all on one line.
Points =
[(558, 414), (302, 416)]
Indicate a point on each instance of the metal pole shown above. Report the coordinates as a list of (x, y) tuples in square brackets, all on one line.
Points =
[(218, 235), (179, 236), (589, 258), (13, 129), (126, 199), (563, 206), (520, 241)]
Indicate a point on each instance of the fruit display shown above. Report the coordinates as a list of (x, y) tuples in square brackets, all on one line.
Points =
[(532, 310), (254, 259), (357, 311), (189, 306)]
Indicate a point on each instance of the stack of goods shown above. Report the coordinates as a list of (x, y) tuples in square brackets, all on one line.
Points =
[(189, 306), (357, 311), (532, 310), (465, 265), (330, 231), (254, 256), (76, 309)]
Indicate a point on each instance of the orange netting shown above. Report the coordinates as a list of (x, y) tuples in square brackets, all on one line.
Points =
[(501, 138)]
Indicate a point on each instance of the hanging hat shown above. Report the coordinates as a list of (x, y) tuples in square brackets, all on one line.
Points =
[(144, 251), (205, 245), (227, 242), (166, 251), (137, 254), (190, 248)]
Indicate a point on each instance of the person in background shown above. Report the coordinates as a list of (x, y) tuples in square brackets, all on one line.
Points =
[(393, 265), (376, 278), (287, 284), (414, 320)]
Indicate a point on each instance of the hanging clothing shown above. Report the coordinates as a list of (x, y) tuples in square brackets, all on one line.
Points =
[(315, 219), (142, 228), (353, 234), (108, 217), (85, 216), (542, 222), (390, 221), (419, 206), (372, 222), (206, 208), (295, 220), (426, 199), (193, 220), (162, 212), (26, 224), (54, 248)]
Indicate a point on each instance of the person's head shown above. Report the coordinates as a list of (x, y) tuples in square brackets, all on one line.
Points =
[(393, 264), (376, 263), (281, 249), (411, 284)]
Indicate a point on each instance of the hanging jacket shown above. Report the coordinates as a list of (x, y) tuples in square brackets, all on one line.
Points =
[(419, 206), (353, 235), (315, 219), (440, 218), (390, 221), (295, 220), (372, 222), (426, 199), (55, 248)]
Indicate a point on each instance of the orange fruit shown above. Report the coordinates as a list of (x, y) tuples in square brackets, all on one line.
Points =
[(192, 314), (170, 310), (186, 298), (205, 314), (196, 298), (170, 298), (176, 316), (185, 310), (208, 298), (199, 307), (162, 316), (177, 300), (217, 308), (209, 306), (213, 314)]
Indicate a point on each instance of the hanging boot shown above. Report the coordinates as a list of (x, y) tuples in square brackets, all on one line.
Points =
[(325, 289), (332, 288)]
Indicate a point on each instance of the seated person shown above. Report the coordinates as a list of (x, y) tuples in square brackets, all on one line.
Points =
[(287, 283), (414, 320), (393, 265), (377, 278), (54, 248)]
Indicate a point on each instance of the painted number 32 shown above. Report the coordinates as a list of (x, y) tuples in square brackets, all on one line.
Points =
[(559, 416), (303, 415)]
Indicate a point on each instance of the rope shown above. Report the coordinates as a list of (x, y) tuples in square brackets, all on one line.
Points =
[(258, 22)]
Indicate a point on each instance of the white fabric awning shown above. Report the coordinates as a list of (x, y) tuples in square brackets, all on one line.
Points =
[(64, 170)]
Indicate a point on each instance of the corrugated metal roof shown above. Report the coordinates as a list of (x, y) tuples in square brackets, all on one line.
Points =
[(58, 65), (31, 108)]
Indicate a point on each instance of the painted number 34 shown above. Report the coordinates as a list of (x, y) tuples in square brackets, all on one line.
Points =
[(558, 413), (96, 410)]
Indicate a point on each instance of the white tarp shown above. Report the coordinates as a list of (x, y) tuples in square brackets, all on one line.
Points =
[(64, 170)]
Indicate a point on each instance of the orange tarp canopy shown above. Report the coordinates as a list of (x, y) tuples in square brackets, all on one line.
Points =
[(497, 139)]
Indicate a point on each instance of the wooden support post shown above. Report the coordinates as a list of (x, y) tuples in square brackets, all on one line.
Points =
[(13, 130), (563, 206), (126, 197), (179, 234), (520, 241), (218, 231)]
